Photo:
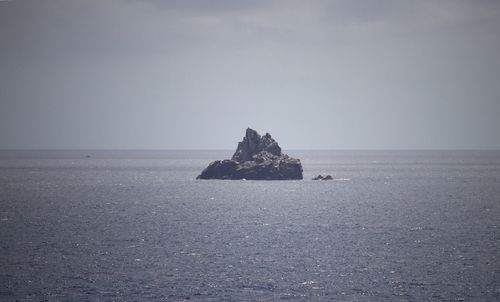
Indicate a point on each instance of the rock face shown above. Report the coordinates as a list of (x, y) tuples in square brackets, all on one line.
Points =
[(257, 158)]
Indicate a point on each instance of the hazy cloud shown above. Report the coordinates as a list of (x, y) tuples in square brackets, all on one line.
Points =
[(195, 74)]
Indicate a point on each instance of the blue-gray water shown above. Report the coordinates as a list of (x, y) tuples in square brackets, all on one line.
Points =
[(135, 225)]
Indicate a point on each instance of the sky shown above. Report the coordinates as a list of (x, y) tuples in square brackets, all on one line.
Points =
[(183, 74)]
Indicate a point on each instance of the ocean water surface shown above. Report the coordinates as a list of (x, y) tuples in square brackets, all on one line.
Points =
[(137, 226)]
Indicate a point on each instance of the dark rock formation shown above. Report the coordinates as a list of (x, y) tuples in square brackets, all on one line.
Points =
[(321, 177), (256, 157), (253, 144)]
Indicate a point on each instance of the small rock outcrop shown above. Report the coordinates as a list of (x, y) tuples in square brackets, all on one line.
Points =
[(256, 158), (321, 177)]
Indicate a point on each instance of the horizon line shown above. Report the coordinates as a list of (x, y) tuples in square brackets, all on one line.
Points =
[(226, 149)]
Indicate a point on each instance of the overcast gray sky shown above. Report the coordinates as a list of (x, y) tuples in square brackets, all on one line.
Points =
[(388, 74)]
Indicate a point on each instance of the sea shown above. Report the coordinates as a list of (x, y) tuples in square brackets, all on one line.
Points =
[(108, 225)]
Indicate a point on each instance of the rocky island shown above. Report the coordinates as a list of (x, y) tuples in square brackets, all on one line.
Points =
[(256, 158), (321, 177)]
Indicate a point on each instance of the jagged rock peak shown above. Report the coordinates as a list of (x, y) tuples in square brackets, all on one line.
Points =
[(257, 158), (253, 143)]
